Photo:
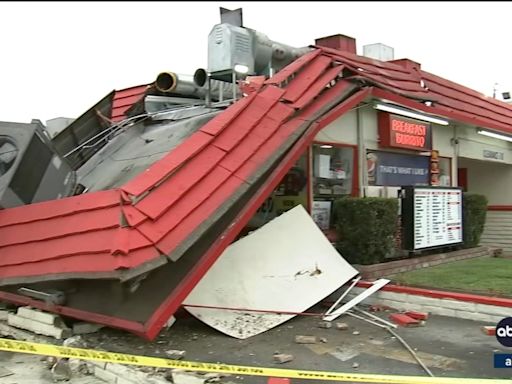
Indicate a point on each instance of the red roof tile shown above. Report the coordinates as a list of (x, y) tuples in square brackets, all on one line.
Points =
[(124, 99)]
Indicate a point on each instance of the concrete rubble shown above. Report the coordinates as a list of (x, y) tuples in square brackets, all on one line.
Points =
[(342, 326), (26, 323), (175, 354), (282, 358), (39, 322), (325, 324), (299, 339), (322, 341)]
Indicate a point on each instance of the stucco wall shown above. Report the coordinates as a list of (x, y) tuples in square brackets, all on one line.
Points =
[(493, 180), (342, 130)]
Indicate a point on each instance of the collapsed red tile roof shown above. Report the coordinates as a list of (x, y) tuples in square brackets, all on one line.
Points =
[(250, 145), (124, 99)]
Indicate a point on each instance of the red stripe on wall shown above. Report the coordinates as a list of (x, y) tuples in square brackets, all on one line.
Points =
[(499, 207)]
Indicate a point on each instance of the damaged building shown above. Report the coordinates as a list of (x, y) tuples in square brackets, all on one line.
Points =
[(117, 218)]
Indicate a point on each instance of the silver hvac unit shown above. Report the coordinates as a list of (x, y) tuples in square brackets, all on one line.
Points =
[(30, 170), (232, 46)]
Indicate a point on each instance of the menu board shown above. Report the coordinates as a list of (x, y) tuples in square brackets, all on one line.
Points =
[(436, 217)]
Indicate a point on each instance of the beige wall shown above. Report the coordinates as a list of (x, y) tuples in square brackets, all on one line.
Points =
[(493, 180), (442, 137), (370, 128), (472, 145), (489, 177), (342, 130)]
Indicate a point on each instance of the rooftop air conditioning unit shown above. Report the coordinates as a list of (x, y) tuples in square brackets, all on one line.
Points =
[(30, 170)]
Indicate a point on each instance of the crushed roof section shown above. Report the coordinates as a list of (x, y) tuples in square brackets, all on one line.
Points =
[(124, 99)]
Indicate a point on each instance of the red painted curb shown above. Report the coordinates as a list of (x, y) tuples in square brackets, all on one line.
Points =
[(489, 300)]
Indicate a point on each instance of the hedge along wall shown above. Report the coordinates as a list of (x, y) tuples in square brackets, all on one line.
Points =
[(366, 228), (474, 213)]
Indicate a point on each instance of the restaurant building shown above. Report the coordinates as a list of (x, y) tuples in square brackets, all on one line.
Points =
[(452, 137)]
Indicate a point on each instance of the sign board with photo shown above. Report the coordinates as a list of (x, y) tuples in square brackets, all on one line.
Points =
[(321, 213), (393, 169)]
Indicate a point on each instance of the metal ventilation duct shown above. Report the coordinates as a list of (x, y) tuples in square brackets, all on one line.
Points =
[(193, 86), (230, 45)]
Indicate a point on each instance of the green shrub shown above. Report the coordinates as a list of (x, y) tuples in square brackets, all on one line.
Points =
[(474, 213), (366, 228)]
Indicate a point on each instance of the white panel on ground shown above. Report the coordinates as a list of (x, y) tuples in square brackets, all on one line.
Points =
[(288, 265)]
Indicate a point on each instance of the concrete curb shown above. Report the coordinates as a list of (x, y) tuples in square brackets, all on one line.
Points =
[(434, 293), (444, 303)]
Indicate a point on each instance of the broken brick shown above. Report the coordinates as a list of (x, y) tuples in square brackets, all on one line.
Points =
[(417, 315), (489, 330), (342, 326), (283, 358), (305, 339), (404, 320), (278, 380), (175, 354), (379, 308)]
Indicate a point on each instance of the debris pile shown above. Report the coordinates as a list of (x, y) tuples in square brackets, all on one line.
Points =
[(268, 286)]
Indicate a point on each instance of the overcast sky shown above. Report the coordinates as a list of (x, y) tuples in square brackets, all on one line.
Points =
[(59, 59)]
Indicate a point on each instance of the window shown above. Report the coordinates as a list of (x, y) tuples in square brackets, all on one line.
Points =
[(333, 169), (333, 178), (445, 170), (291, 191)]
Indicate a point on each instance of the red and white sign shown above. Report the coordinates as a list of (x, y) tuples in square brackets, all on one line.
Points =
[(401, 132), (437, 217)]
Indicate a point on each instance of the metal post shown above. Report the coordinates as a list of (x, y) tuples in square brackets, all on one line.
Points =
[(455, 160), (361, 148), (208, 98), (234, 86)]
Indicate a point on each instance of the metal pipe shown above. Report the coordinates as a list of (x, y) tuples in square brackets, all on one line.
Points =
[(376, 318), (397, 336), (219, 90), (414, 354), (170, 82), (354, 282), (193, 86), (269, 52), (367, 320), (361, 149)]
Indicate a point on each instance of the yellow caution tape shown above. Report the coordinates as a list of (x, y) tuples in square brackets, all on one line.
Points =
[(122, 358)]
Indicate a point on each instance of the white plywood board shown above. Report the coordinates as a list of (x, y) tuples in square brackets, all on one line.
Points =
[(288, 265), (356, 300)]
